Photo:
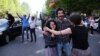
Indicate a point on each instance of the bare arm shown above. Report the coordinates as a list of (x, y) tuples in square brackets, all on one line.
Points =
[(44, 32), (28, 17), (62, 32), (18, 15)]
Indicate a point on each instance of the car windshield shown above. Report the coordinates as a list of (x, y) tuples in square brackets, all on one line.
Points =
[(3, 24)]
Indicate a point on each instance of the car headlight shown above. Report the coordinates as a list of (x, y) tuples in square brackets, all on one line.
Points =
[(1, 33)]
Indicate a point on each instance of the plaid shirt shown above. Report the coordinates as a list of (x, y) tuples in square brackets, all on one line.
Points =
[(61, 26)]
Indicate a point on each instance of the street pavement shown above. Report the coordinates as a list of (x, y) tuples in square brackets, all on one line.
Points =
[(94, 41), (16, 48)]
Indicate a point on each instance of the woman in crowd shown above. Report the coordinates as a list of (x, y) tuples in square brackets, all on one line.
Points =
[(50, 39)]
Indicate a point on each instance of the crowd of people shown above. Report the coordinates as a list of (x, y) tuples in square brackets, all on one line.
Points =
[(27, 25), (64, 35), (70, 34)]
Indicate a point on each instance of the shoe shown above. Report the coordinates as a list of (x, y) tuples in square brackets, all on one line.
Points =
[(28, 39), (31, 40)]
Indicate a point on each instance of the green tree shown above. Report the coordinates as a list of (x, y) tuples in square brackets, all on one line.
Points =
[(77, 5), (13, 6)]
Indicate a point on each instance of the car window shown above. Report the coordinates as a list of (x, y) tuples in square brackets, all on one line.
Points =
[(3, 24)]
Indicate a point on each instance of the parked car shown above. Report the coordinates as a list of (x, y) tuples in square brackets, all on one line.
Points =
[(8, 34)]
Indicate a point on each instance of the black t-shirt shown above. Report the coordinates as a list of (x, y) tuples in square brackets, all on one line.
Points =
[(50, 41), (10, 17), (79, 37)]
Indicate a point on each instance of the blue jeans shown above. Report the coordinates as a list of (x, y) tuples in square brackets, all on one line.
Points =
[(65, 47), (24, 29)]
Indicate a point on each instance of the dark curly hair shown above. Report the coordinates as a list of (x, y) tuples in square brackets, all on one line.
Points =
[(60, 9), (48, 24)]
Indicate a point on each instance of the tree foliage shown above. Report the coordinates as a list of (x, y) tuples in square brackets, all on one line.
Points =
[(77, 5), (13, 6)]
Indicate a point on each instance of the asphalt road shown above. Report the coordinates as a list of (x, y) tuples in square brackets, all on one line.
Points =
[(16, 48), (95, 44)]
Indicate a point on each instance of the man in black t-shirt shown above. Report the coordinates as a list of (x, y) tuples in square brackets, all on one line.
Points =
[(10, 18)]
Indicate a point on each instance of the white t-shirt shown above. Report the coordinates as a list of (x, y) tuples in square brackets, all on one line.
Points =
[(32, 23), (85, 23)]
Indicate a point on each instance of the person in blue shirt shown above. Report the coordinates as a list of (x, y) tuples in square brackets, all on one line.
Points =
[(25, 25)]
